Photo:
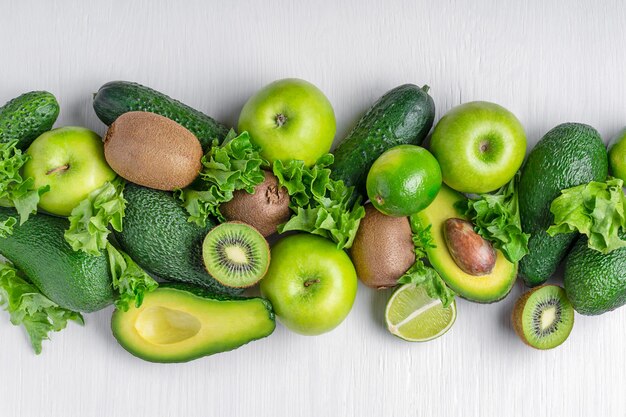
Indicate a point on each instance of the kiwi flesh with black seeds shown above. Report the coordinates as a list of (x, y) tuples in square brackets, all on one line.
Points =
[(543, 317), (236, 254), (265, 209)]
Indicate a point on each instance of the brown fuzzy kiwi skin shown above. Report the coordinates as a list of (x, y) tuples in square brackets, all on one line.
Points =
[(516, 315), (265, 209), (153, 151), (266, 267), (383, 249)]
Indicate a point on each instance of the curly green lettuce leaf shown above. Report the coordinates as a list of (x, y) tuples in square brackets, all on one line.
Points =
[(320, 205), (16, 191), (234, 165), (129, 280), (596, 210), (6, 227), (31, 309), (496, 218), (91, 218), (421, 274)]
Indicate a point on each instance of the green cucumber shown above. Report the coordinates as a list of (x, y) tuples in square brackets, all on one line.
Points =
[(118, 97), (402, 116), (26, 117)]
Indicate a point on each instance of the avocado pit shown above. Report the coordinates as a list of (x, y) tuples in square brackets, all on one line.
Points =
[(470, 251)]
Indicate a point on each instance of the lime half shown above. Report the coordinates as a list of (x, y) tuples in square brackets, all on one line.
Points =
[(413, 316)]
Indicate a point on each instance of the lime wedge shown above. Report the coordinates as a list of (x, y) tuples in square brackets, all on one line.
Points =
[(413, 316)]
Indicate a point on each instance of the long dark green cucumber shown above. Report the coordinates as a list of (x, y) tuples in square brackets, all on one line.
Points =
[(118, 97), (402, 116)]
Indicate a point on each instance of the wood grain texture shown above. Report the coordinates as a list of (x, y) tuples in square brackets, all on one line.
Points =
[(547, 61)]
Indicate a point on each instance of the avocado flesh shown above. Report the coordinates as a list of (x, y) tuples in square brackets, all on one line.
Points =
[(73, 280), (595, 283), (484, 288), (180, 322)]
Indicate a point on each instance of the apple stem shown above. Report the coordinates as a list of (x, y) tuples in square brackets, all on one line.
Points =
[(281, 119), (310, 282), (58, 169)]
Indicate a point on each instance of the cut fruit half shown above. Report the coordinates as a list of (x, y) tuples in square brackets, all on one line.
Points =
[(415, 317), (543, 317), (236, 254)]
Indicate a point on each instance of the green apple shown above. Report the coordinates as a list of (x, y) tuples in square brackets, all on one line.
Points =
[(71, 161), (289, 119), (479, 146), (617, 156), (310, 283)]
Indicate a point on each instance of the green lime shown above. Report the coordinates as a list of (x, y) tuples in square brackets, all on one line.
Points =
[(617, 156), (413, 316), (403, 180)]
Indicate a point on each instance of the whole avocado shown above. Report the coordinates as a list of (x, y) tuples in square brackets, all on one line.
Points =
[(74, 280), (568, 155), (159, 238), (595, 283), (403, 116)]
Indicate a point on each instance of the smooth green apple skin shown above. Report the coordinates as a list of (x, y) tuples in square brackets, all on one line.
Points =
[(617, 156), (310, 125), (301, 303), (82, 151), (461, 133)]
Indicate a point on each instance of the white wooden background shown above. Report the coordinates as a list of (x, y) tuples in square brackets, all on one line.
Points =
[(547, 61)]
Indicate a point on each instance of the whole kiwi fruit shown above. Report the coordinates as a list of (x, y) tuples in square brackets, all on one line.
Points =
[(151, 150), (264, 209), (383, 248)]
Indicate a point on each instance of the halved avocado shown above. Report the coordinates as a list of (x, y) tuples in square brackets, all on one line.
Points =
[(484, 288), (181, 322)]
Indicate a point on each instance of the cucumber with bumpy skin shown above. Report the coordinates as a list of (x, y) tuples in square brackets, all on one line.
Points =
[(402, 116), (26, 117), (118, 97)]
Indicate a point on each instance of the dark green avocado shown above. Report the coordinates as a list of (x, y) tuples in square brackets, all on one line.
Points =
[(568, 155), (595, 283), (74, 280), (157, 235)]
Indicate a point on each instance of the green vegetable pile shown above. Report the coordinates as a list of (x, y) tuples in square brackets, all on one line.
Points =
[(439, 219)]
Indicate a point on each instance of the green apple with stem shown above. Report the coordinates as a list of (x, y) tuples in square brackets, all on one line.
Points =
[(289, 119), (310, 283), (479, 145), (71, 161)]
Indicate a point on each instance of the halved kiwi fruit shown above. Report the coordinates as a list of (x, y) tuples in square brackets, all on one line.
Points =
[(236, 254), (543, 317)]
